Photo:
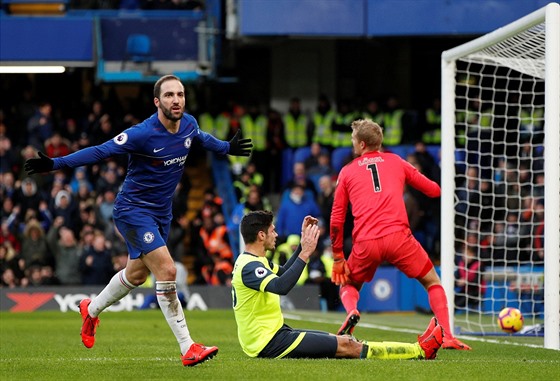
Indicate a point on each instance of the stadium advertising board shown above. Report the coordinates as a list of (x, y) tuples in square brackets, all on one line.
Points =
[(66, 299)]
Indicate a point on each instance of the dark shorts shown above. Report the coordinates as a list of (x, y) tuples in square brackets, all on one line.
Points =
[(400, 249), (142, 232), (312, 344)]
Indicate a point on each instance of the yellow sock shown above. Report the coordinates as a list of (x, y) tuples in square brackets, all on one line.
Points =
[(390, 350)]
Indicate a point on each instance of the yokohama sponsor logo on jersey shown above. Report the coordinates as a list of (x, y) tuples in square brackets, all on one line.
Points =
[(178, 160)]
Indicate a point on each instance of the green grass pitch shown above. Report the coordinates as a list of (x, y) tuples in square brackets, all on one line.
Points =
[(140, 346)]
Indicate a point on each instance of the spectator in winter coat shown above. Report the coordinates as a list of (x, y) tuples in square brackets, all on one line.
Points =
[(96, 264), (293, 209)]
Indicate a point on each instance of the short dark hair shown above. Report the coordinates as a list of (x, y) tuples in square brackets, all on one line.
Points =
[(157, 86), (254, 222)]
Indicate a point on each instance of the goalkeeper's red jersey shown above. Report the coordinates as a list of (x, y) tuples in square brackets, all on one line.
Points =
[(374, 185)]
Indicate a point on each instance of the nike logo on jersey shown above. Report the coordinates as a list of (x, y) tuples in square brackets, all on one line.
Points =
[(156, 150), (183, 319)]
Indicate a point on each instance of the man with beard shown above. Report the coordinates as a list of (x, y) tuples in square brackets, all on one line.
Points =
[(157, 149)]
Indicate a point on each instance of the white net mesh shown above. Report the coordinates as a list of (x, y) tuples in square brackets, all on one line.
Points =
[(499, 200)]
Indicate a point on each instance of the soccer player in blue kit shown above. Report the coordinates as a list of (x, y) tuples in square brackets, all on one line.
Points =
[(157, 149)]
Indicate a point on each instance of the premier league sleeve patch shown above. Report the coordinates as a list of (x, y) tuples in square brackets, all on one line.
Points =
[(121, 138), (260, 272)]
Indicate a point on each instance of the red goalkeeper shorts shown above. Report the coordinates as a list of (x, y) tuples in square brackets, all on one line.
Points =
[(400, 249)]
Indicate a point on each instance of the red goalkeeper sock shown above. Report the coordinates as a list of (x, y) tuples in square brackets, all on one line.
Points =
[(438, 304), (349, 296)]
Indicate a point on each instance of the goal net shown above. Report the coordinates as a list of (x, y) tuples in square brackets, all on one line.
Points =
[(500, 177)]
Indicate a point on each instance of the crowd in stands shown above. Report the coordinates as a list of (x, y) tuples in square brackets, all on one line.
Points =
[(57, 228), (500, 194)]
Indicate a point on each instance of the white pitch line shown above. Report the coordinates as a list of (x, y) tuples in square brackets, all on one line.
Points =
[(406, 330)]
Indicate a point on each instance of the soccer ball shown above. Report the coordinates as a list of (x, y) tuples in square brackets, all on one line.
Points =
[(510, 320)]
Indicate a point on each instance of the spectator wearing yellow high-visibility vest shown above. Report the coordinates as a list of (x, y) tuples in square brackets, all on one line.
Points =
[(215, 122), (296, 125), (322, 122), (254, 125), (532, 122), (256, 177), (392, 126), (374, 112), (477, 116), (285, 250), (341, 130), (241, 186), (432, 115)]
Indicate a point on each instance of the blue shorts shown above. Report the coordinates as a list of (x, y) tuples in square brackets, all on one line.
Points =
[(142, 232)]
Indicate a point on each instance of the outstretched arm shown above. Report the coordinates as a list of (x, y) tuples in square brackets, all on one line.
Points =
[(122, 143)]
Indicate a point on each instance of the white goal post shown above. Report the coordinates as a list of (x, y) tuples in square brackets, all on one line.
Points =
[(499, 150)]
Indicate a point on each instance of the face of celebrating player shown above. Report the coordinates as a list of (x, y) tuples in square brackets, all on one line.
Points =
[(270, 238), (171, 101)]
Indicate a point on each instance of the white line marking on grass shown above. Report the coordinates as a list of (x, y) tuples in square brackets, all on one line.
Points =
[(405, 330)]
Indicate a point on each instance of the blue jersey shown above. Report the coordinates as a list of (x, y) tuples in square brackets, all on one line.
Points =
[(156, 161)]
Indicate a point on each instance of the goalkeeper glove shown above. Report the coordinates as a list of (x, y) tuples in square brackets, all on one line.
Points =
[(240, 147), (340, 269), (40, 165)]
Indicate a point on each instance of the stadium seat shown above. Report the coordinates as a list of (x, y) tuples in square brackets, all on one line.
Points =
[(315, 180), (138, 50), (301, 154), (401, 150), (339, 156)]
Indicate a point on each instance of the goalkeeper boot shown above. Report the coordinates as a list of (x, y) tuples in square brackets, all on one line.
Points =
[(198, 353), (433, 323), (455, 343), (89, 324), (347, 327), (432, 343)]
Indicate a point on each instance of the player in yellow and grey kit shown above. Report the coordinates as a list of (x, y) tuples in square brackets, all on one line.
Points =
[(256, 288)]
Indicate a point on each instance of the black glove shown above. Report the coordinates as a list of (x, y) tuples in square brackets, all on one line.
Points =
[(240, 147), (40, 165)]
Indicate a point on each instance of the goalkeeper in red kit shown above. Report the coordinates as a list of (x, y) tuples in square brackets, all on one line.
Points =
[(373, 183)]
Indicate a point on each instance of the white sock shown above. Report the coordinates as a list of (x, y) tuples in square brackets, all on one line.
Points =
[(171, 307), (117, 289)]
